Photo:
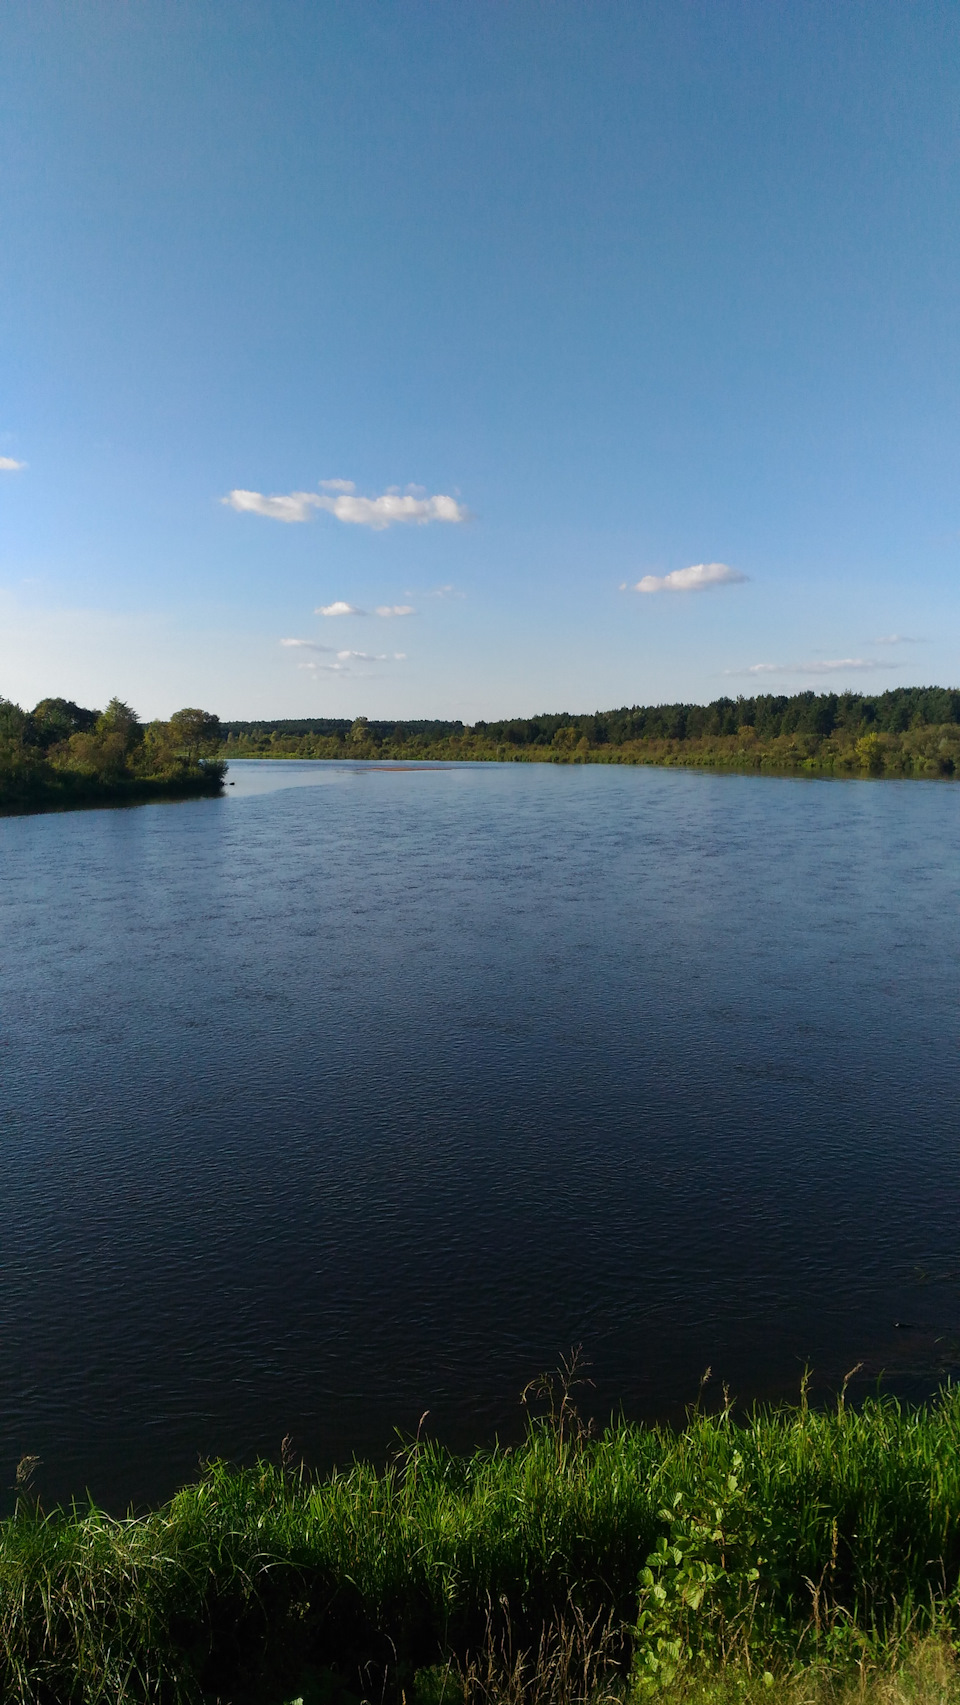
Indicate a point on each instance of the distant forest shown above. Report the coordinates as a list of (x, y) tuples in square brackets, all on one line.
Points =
[(906, 731)]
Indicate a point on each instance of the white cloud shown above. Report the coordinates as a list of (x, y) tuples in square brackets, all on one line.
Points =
[(897, 639), (8, 465), (295, 506), (695, 579), (390, 509), (346, 660), (393, 508), (828, 666), (340, 607), (306, 644)]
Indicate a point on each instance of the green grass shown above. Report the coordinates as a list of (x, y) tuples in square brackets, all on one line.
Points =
[(797, 1543)]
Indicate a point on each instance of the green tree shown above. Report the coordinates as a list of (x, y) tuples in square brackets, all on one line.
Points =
[(54, 720), (119, 720), (13, 722), (870, 753), (17, 757), (107, 748), (195, 733)]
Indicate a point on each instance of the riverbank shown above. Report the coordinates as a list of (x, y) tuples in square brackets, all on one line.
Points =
[(909, 731), (794, 1550), (931, 753), (67, 790), (61, 756)]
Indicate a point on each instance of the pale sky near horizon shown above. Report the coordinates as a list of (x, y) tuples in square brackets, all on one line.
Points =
[(471, 360)]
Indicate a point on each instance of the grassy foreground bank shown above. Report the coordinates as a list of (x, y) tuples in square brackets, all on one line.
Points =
[(790, 1552)]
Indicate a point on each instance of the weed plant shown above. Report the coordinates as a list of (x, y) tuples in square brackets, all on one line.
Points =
[(827, 1540)]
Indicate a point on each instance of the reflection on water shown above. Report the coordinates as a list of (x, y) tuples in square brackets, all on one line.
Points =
[(326, 1104)]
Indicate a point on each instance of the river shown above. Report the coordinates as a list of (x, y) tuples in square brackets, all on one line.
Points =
[(369, 1090)]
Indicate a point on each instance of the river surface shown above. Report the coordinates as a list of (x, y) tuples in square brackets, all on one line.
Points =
[(370, 1090)]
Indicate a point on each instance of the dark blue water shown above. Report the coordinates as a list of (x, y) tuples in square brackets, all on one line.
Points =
[(367, 1091)]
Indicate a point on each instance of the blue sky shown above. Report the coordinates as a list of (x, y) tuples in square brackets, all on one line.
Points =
[(568, 299)]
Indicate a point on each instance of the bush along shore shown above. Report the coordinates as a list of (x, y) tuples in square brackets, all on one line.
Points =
[(910, 731), (793, 1552), (60, 754)]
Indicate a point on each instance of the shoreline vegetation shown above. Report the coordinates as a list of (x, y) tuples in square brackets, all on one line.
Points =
[(60, 754), (909, 731), (798, 1554)]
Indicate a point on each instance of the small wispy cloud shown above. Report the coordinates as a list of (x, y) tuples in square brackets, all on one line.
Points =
[(448, 591), (897, 639), (339, 498), (372, 656), (824, 666), (695, 579), (345, 661), (295, 506), (9, 465), (340, 607), (306, 644)]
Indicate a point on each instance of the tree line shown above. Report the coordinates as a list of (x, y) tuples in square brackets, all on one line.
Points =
[(906, 731), (60, 751)]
